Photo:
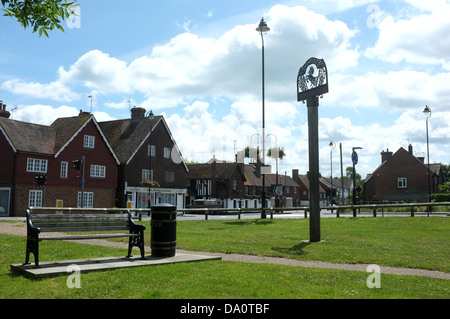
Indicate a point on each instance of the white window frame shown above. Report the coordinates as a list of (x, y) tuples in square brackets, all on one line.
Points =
[(63, 172), (402, 182), (167, 151), (169, 177), (8, 203), (151, 149), (88, 200), (98, 171), (89, 141), (35, 198), (235, 184), (147, 174), (37, 165)]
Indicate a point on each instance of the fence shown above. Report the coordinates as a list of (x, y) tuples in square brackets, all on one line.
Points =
[(374, 208)]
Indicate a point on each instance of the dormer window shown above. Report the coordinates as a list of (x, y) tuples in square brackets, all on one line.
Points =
[(89, 141)]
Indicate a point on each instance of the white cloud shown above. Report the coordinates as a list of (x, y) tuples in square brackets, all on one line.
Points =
[(98, 71), (418, 39), (395, 90), (43, 114), (190, 66), (55, 90)]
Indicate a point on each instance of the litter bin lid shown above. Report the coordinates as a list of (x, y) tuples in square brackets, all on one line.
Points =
[(164, 207)]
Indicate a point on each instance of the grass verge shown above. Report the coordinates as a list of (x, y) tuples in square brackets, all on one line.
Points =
[(420, 242)]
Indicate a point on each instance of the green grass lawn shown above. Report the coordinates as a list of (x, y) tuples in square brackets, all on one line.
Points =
[(408, 242), (417, 242)]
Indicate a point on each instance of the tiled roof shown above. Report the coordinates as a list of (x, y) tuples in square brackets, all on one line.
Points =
[(66, 127), (29, 137), (126, 136)]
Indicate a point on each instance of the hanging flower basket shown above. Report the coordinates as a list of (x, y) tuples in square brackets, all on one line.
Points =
[(148, 183), (251, 151), (274, 151)]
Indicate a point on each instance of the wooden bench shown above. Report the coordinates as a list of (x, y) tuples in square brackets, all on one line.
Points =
[(38, 223)]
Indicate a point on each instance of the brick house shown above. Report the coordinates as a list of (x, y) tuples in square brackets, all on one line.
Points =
[(162, 161), (402, 177), (30, 149), (304, 192), (222, 181), (238, 185)]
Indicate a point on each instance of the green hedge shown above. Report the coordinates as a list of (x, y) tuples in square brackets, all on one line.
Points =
[(442, 197)]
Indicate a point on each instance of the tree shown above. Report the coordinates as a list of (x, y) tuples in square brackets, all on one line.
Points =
[(42, 15), (349, 174)]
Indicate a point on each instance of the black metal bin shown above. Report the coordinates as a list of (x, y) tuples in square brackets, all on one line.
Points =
[(164, 230)]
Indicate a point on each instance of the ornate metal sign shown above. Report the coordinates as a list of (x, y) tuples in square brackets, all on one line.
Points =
[(312, 79)]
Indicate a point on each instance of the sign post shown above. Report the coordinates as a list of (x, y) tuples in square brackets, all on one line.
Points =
[(312, 82)]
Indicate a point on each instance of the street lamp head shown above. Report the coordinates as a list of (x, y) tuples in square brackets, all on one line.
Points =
[(427, 111), (150, 115), (262, 27), (332, 144)]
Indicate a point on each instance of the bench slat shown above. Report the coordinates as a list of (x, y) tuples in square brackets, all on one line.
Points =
[(80, 229), (81, 222), (81, 225), (75, 217), (96, 236)]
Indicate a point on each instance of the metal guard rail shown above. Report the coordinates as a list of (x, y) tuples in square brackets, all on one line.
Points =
[(271, 210)]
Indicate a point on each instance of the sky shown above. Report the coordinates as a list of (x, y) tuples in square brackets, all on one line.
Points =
[(199, 64)]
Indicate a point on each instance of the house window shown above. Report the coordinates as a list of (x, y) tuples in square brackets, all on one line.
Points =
[(63, 173), (4, 200), (98, 171), (88, 201), (401, 182), (168, 198), (89, 141), (246, 190), (287, 189), (36, 165), (169, 177), (295, 190), (234, 184), (147, 175), (151, 150), (35, 199), (166, 152)]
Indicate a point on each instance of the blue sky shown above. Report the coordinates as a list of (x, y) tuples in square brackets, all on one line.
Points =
[(198, 63)]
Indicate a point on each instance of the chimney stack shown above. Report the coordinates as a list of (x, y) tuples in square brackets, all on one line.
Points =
[(3, 111), (137, 113), (295, 174), (385, 155), (410, 149)]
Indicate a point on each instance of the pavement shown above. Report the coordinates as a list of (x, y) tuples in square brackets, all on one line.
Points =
[(55, 268)]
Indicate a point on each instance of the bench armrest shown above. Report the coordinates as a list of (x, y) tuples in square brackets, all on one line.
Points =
[(32, 230), (133, 226)]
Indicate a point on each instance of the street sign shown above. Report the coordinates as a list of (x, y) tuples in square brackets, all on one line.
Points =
[(354, 158), (278, 190)]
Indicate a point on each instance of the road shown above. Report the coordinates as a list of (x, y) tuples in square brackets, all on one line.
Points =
[(287, 215)]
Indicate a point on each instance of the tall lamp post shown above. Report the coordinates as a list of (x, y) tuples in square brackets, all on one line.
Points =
[(355, 161), (150, 116), (427, 112), (90, 97), (263, 29), (332, 145)]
